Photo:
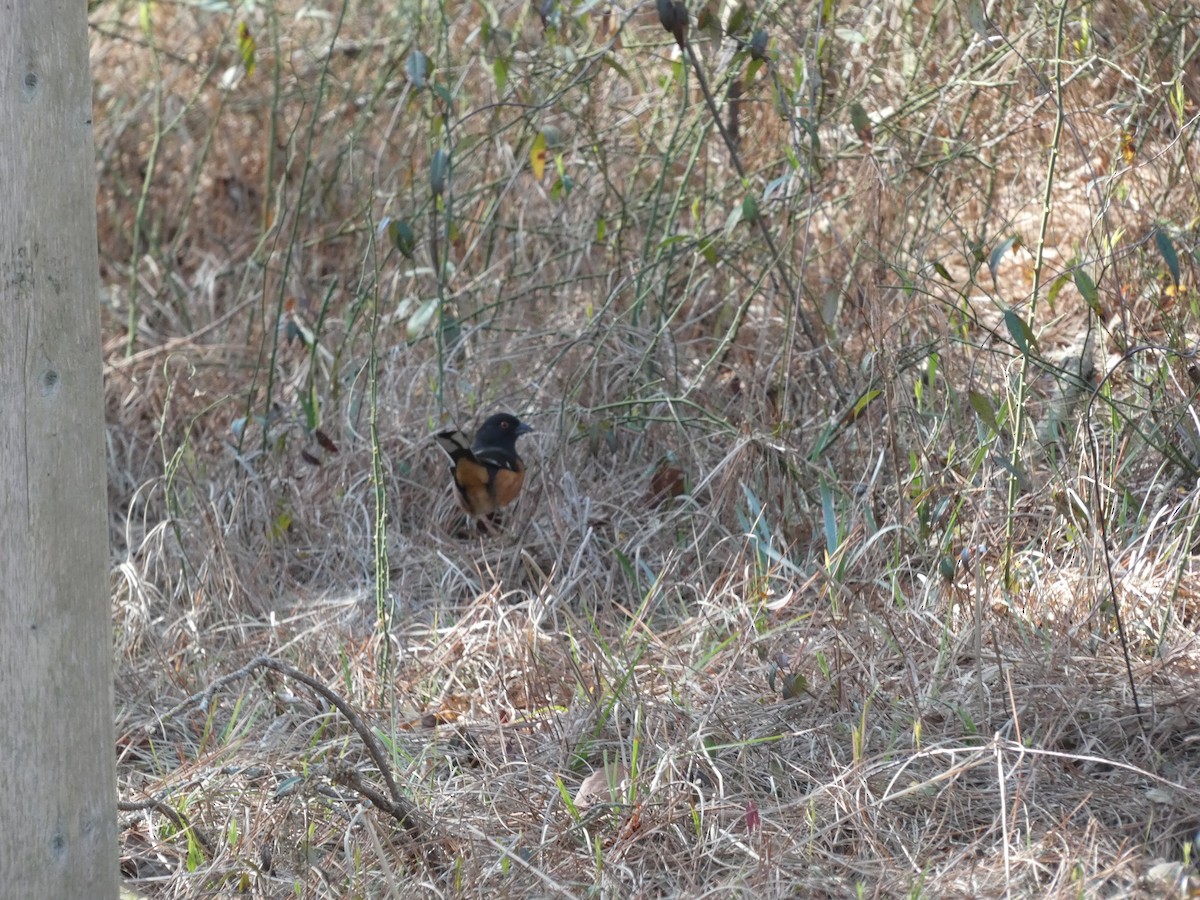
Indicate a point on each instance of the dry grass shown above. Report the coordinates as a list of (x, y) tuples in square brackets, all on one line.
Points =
[(846, 660)]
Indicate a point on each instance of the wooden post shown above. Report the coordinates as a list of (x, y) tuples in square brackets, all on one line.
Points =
[(58, 804)]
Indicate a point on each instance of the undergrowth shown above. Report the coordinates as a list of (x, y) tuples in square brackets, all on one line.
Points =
[(856, 553)]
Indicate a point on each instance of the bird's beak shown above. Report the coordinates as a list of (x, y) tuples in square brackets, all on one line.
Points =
[(523, 428)]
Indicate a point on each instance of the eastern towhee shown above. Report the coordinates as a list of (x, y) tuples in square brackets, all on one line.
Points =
[(488, 473)]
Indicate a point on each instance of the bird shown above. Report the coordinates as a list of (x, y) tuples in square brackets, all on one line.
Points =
[(673, 15), (488, 472)]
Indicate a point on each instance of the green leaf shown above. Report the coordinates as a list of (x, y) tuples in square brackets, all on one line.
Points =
[(860, 122), (758, 44), (739, 21), (1087, 289), (537, 156), (246, 46), (1056, 286), (732, 220), (609, 60), (402, 237), (829, 518), (813, 136), (1162, 240), (946, 569), (562, 187), (195, 855), (311, 407), (752, 523), (978, 18), (500, 73), (750, 208), (863, 402), (439, 167), (975, 245), (941, 270), (998, 255), (773, 186), (451, 330), (567, 800), (793, 685), (626, 565), (1013, 469), (708, 20), (1021, 334), (983, 408), (417, 67), (492, 18)]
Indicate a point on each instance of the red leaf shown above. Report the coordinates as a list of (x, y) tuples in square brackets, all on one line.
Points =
[(753, 819)]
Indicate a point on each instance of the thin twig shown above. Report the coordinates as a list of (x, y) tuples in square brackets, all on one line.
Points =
[(399, 807)]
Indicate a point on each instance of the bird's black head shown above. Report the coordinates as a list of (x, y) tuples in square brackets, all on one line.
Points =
[(501, 431)]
